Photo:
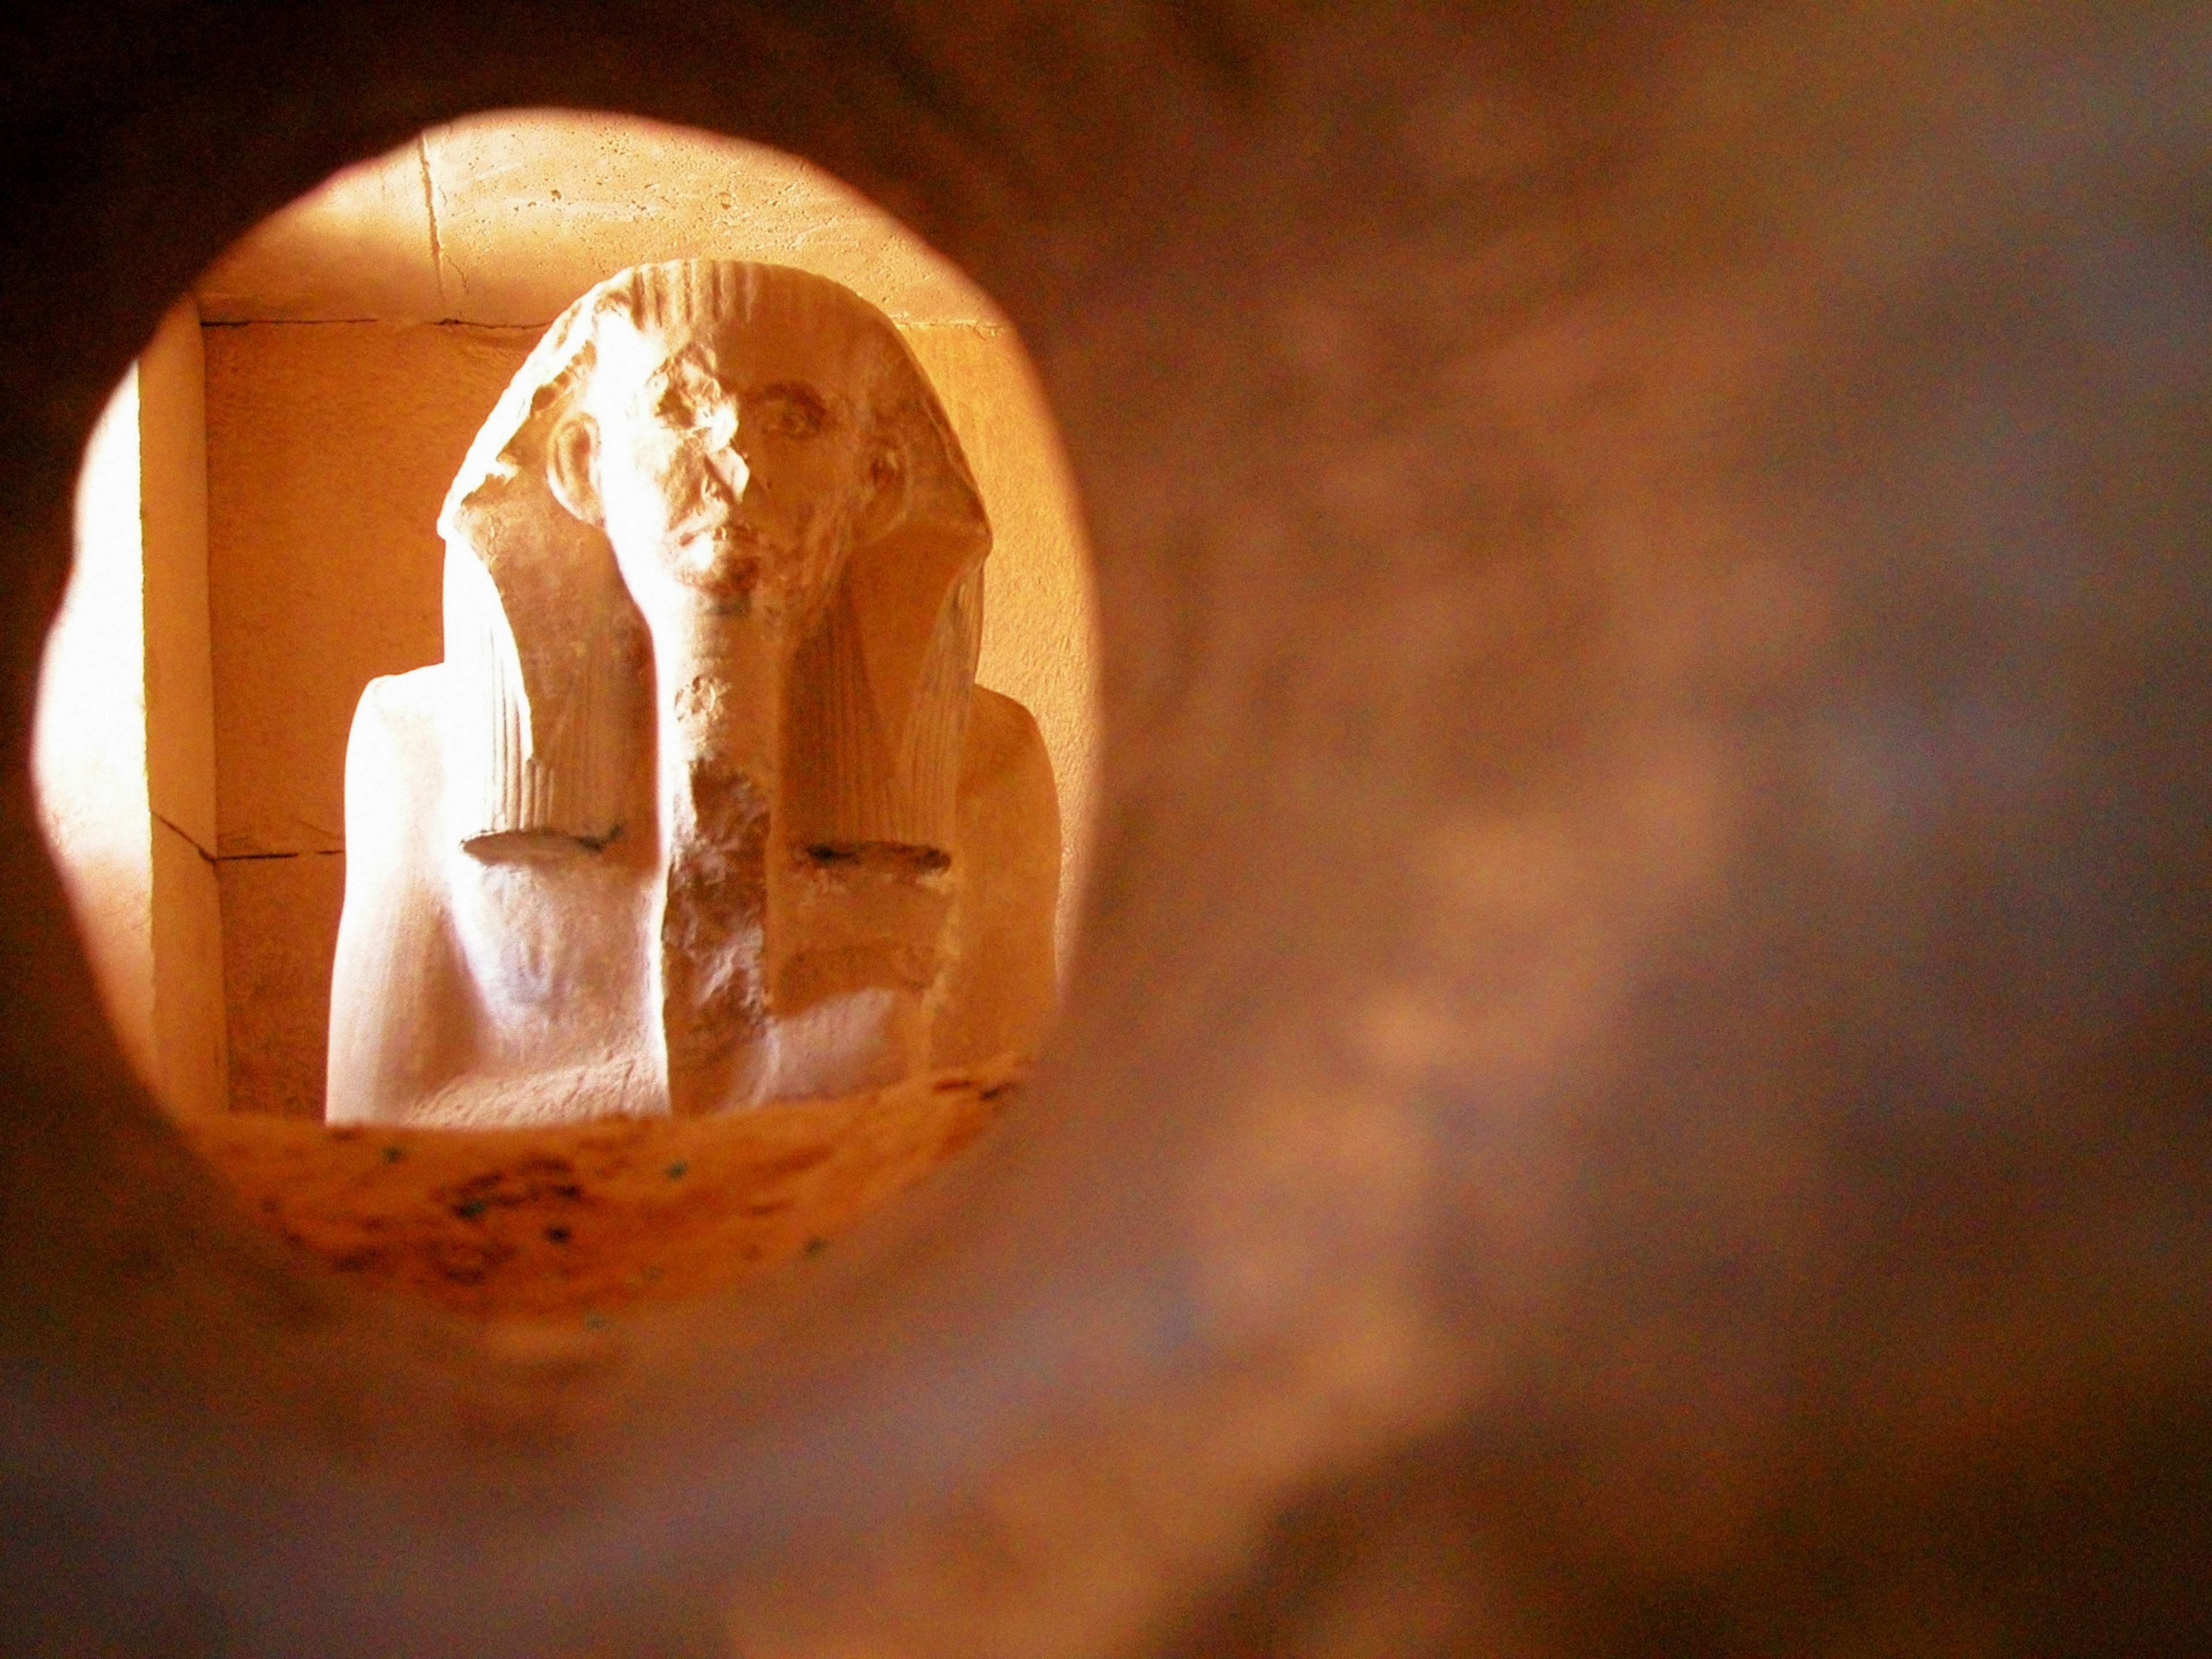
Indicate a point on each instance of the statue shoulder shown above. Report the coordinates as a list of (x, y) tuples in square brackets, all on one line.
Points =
[(1009, 806), (399, 715), (1005, 749), (405, 703), (999, 996), (395, 754)]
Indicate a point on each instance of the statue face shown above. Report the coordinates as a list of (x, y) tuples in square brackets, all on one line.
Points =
[(718, 466)]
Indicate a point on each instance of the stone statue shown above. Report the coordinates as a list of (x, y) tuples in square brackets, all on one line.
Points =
[(703, 807)]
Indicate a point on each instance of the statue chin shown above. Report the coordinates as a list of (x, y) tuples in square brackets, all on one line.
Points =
[(736, 569)]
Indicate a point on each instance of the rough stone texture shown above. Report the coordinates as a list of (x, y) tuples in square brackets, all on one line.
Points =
[(324, 555), (279, 911), (503, 219), (190, 1040), (191, 1037), (714, 924), (1635, 1078), (565, 1227)]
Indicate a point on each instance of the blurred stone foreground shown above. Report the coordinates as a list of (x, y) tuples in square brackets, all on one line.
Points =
[(1634, 1079)]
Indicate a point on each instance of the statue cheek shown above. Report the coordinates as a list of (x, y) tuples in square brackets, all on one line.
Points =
[(627, 487)]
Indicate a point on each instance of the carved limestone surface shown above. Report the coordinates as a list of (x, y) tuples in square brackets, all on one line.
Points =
[(704, 807)]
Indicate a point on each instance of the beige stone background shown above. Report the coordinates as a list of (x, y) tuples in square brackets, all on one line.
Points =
[(352, 345)]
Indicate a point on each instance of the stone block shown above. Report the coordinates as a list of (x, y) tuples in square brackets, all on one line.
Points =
[(359, 246), (280, 924), (533, 208), (173, 516), (191, 1043), (329, 450)]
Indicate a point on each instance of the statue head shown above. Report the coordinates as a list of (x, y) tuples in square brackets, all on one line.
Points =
[(748, 439), (733, 453)]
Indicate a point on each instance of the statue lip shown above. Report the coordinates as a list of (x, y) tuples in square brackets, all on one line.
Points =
[(730, 568), (716, 520), (711, 539), (720, 522)]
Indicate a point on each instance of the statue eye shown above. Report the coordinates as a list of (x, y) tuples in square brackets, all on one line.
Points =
[(791, 411), (686, 397)]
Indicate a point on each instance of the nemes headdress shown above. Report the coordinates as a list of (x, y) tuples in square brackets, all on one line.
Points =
[(550, 654)]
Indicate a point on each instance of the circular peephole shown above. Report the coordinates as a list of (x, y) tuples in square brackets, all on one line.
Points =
[(560, 805)]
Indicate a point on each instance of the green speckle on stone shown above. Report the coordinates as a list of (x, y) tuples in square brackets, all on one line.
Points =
[(816, 1246), (393, 1154), (595, 1322), (469, 1209), (679, 1170)]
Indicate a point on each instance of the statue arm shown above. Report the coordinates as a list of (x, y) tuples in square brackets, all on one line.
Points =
[(400, 1009)]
